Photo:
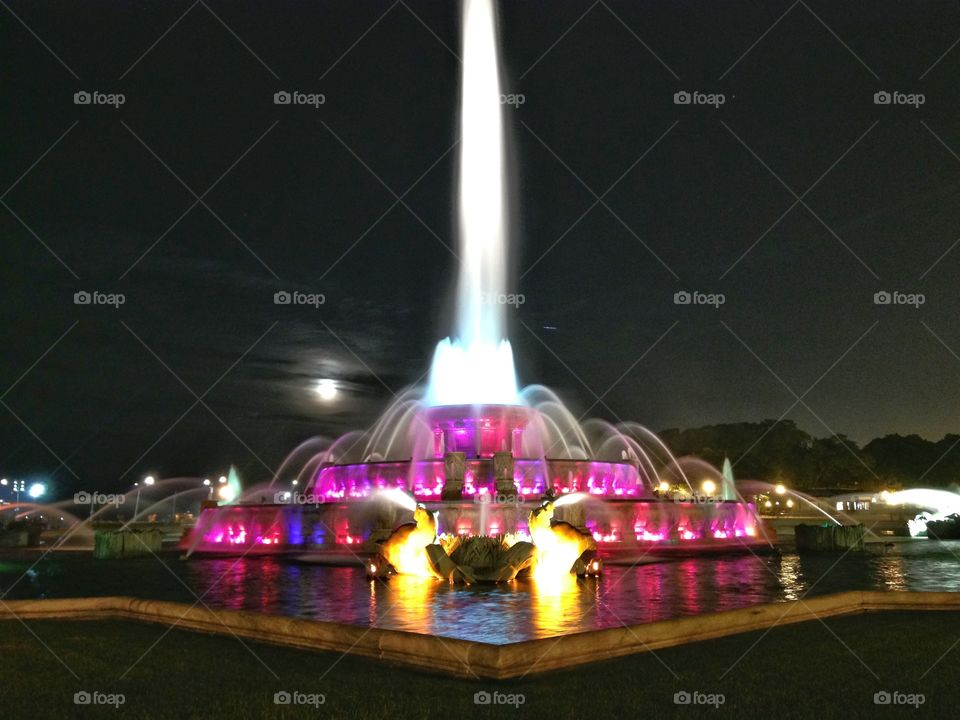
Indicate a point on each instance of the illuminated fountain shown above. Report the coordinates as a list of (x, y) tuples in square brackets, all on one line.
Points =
[(482, 457), (940, 511)]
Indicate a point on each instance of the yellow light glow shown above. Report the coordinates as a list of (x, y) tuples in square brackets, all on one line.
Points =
[(406, 548), (227, 493), (709, 487), (664, 486), (780, 489), (557, 547)]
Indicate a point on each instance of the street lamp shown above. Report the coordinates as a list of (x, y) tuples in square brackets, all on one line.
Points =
[(148, 480), (709, 487), (37, 490)]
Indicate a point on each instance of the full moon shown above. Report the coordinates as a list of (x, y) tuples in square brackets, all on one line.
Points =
[(326, 389)]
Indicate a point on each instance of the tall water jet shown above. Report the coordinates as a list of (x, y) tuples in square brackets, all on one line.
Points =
[(476, 365), (471, 456)]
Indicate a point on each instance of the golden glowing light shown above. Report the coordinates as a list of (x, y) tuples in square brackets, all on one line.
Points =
[(779, 489), (709, 487), (664, 486), (554, 603), (406, 548), (557, 547)]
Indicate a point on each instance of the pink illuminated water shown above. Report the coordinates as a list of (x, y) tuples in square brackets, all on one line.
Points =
[(492, 613)]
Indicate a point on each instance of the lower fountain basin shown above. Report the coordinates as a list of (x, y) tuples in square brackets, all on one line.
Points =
[(624, 529)]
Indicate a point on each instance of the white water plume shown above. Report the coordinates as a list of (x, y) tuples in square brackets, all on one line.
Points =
[(476, 366)]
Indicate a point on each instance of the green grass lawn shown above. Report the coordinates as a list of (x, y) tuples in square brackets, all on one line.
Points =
[(802, 671)]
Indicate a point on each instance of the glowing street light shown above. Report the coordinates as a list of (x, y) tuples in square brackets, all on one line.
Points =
[(664, 486), (779, 489), (709, 487), (222, 480), (206, 482), (4, 482), (37, 490), (148, 480), (227, 493)]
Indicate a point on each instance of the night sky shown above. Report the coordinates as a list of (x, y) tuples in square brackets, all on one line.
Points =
[(797, 199)]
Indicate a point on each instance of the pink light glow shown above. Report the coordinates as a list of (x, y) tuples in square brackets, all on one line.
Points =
[(644, 535), (231, 537), (469, 484), (612, 536), (426, 478), (273, 539)]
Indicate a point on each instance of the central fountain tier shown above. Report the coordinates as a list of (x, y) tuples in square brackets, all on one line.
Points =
[(468, 450), (481, 469)]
